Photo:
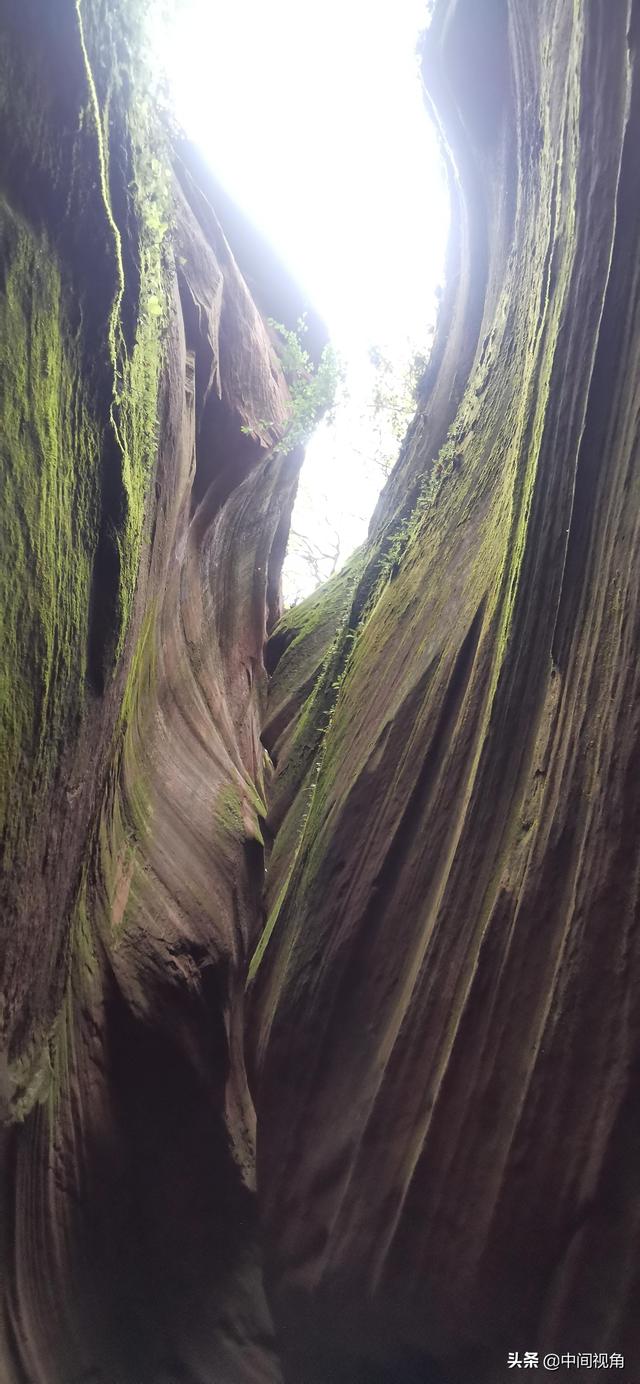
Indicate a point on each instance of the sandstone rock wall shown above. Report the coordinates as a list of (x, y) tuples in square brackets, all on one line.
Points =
[(144, 523), (441, 1024), (445, 1014)]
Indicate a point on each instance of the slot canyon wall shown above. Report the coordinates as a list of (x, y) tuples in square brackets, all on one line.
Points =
[(144, 523), (319, 998)]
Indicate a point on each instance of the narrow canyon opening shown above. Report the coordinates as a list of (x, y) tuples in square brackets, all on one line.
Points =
[(319, 947), (330, 151)]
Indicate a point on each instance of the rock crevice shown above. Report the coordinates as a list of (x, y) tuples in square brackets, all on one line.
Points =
[(435, 758)]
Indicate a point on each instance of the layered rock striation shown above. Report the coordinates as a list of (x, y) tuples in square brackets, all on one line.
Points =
[(445, 1022), (431, 996), (144, 518)]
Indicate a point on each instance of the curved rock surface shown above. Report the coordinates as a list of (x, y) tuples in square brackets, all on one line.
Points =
[(144, 520), (435, 757), (445, 1023)]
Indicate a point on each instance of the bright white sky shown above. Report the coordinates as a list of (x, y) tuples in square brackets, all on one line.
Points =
[(312, 115)]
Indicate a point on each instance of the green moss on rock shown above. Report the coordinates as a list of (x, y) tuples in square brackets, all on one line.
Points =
[(47, 522)]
